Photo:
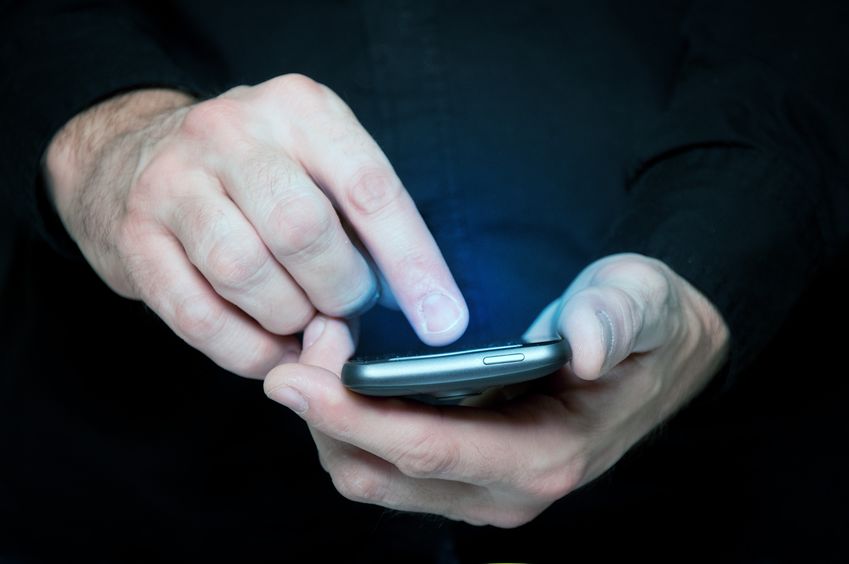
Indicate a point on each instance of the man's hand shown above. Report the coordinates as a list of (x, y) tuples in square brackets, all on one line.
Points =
[(233, 218), (643, 341)]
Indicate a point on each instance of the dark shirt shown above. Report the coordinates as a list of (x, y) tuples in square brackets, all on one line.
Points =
[(534, 137)]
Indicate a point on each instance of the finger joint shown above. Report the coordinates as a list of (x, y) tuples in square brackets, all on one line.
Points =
[(358, 483), (373, 190), (302, 226), (198, 319), (428, 455), (233, 265), (213, 118)]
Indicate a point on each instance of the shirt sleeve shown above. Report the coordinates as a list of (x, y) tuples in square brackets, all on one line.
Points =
[(741, 186), (57, 58)]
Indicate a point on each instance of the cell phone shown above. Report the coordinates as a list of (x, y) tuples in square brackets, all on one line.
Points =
[(448, 377)]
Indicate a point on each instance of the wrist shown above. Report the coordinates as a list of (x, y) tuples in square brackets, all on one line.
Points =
[(75, 148)]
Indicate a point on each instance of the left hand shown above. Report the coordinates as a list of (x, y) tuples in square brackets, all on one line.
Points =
[(644, 342)]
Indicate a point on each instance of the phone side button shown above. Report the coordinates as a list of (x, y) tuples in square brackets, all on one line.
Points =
[(503, 358)]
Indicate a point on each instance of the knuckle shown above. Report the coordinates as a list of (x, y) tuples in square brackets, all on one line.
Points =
[(427, 456), (212, 118), (301, 226), (198, 319), (550, 488), (298, 91), (151, 177), (373, 190), (650, 275), (651, 278), (237, 91), (130, 231), (235, 265), (199, 220), (358, 484), (297, 82), (640, 288), (154, 180), (547, 486)]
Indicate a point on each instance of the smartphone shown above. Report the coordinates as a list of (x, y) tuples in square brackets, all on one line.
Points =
[(448, 377)]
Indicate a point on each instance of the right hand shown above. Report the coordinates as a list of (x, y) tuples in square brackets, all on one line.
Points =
[(222, 216)]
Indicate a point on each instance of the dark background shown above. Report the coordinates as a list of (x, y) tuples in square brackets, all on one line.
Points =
[(122, 445)]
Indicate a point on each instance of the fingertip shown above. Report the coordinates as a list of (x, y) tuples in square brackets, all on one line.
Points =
[(580, 325), (328, 343), (442, 318), (313, 331)]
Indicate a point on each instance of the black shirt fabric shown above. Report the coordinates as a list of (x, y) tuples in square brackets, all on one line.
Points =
[(534, 137)]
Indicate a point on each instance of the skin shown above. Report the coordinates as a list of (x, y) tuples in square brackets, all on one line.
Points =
[(244, 219), (644, 342), (237, 219)]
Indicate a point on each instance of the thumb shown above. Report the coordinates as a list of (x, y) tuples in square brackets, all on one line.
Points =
[(545, 325), (328, 343), (628, 306)]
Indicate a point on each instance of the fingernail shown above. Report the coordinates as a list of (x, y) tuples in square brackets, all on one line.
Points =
[(291, 398), (314, 331), (440, 313)]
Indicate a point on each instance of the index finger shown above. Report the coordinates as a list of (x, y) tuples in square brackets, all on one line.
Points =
[(348, 164)]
